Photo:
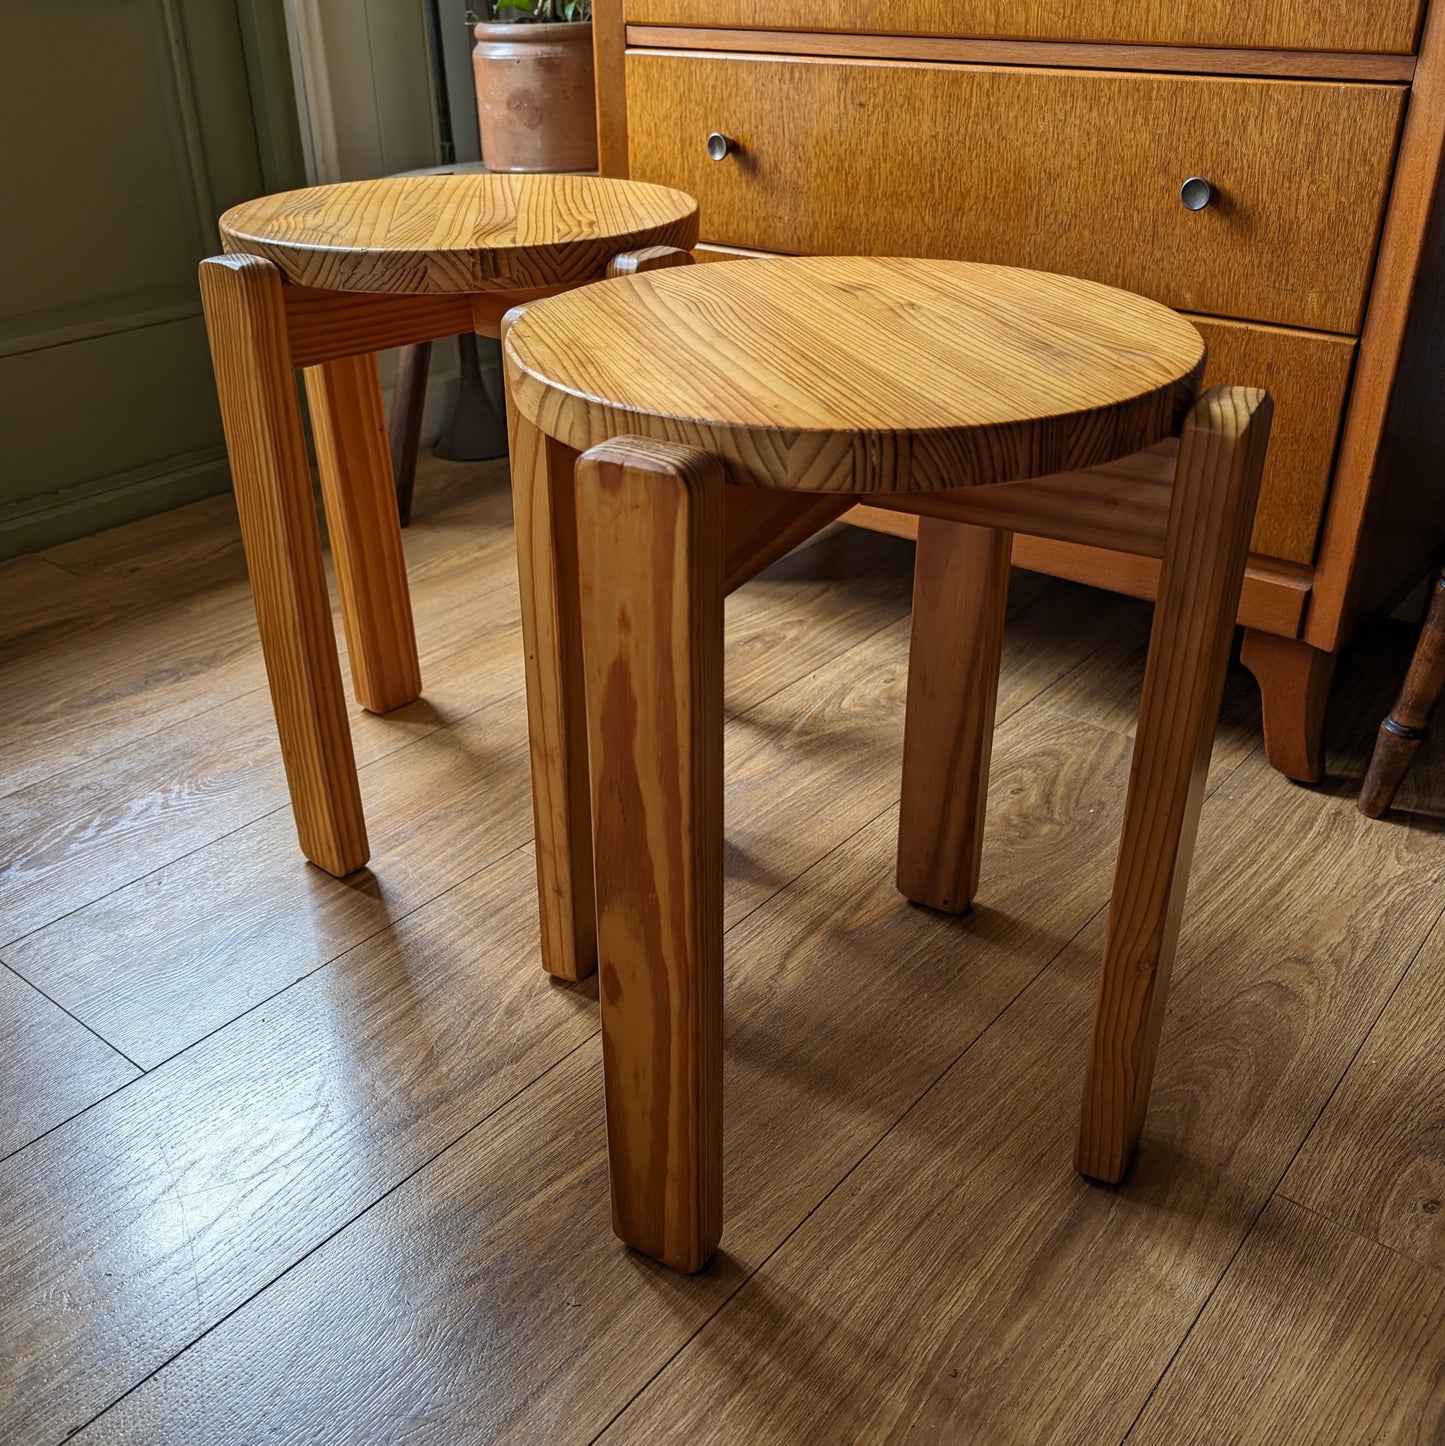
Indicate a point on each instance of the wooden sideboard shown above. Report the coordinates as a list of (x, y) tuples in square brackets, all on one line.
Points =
[(1010, 131)]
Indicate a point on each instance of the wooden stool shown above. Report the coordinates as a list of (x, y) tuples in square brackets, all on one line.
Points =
[(1408, 724), (805, 385), (321, 280)]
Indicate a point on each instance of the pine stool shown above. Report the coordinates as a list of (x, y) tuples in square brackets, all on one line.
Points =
[(320, 280), (720, 407)]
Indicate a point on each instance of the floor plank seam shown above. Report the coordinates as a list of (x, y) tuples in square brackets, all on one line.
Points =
[(345, 1225), (250, 1008), (1412, 1260), (283, 807), (729, 715), (11, 969)]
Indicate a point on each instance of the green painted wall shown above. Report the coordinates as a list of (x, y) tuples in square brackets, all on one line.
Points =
[(130, 125)]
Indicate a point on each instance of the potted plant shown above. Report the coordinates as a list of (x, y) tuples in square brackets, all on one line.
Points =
[(536, 96)]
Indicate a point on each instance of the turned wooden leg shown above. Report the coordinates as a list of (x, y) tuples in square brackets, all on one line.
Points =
[(246, 320), (1221, 457), (544, 508), (408, 404), (960, 594), (1407, 726), (651, 532), (1294, 686), (352, 455)]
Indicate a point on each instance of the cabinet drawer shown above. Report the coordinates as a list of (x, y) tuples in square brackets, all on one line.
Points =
[(1308, 375), (1359, 25), (1072, 171)]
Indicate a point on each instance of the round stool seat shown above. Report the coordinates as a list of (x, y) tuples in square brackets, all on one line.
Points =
[(858, 374), (457, 233)]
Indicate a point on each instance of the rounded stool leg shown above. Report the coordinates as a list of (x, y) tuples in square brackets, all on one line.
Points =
[(1211, 513), (353, 457), (960, 595), (650, 519), (246, 320)]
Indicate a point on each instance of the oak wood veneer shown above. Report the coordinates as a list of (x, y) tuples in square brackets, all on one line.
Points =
[(1349, 517), (1290, 239), (820, 376)]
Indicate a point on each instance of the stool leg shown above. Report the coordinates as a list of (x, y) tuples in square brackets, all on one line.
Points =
[(353, 457), (544, 509), (1407, 727), (651, 527), (408, 404), (246, 320), (1220, 460), (960, 594)]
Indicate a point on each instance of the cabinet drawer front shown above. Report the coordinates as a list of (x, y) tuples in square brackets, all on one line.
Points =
[(1072, 171), (1308, 375), (1359, 25)]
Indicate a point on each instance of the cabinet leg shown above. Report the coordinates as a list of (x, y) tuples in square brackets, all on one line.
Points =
[(1294, 686), (1407, 726), (256, 384), (960, 595), (1221, 457), (651, 554), (354, 460)]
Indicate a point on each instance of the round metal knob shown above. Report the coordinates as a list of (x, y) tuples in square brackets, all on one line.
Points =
[(719, 146), (1196, 193)]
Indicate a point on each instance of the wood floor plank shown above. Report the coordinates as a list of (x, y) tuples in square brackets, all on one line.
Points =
[(80, 835), (963, 1280), (1376, 1161), (40, 604), (51, 1066), (167, 1205), (162, 962), (538, 1324), (1315, 1335), (146, 669)]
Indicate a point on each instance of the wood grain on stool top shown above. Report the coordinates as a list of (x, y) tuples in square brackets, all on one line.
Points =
[(457, 233), (850, 374)]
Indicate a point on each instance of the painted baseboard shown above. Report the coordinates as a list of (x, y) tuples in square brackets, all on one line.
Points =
[(52, 518)]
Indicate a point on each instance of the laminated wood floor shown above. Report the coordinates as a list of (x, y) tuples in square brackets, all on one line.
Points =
[(284, 1158)]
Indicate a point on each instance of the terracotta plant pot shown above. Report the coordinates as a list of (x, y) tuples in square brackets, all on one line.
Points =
[(536, 97)]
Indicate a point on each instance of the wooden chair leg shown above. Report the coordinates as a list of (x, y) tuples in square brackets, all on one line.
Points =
[(1294, 686), (246, 320), (408, 403), (1220, 460), (960, 594), (651, 554), (1407, 726), (352, 455)]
